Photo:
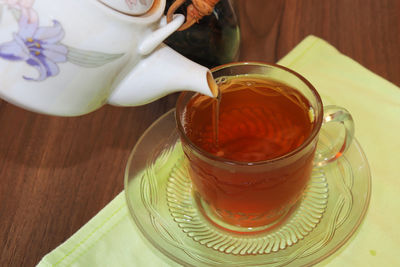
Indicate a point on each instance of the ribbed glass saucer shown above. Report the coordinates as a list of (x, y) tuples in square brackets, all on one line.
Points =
[(158, 193)]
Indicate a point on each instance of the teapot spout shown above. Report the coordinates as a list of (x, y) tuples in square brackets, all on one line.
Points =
[(162, 72)]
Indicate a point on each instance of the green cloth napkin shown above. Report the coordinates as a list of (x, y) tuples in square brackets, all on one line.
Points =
[(111, 239)]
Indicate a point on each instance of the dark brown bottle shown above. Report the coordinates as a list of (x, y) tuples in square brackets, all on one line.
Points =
[(213, 41)]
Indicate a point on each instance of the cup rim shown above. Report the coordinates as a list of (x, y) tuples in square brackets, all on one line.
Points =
[(309, 139)]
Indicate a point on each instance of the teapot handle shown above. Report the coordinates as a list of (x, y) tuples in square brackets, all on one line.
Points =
[(158, 36)]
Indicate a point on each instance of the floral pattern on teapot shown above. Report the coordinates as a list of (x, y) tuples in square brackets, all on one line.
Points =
[(41, 47), (132, 3)]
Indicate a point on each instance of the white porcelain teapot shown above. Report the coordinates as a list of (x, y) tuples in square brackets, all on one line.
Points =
[(70, 57)]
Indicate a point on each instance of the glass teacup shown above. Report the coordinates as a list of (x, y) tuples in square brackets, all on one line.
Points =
[(251, 159)]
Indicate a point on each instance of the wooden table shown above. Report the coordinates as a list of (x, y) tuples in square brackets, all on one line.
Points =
[(57, 173)]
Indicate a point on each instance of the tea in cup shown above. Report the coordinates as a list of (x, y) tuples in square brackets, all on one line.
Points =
[(251, 151)]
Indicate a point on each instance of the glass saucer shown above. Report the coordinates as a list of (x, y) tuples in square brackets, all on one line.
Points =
[(160, 202)]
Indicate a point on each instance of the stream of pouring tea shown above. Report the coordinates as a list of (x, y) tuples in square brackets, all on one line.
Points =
[(215, 117)]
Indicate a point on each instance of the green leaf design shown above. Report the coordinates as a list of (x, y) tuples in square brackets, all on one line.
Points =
[(15, 12), (90, 59)]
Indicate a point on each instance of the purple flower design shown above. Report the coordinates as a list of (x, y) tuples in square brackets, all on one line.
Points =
[(38, 46)]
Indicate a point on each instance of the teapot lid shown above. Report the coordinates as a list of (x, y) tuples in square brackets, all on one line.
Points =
[(130, 7)]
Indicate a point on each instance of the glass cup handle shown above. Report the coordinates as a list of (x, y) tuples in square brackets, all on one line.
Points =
[(333, 140)]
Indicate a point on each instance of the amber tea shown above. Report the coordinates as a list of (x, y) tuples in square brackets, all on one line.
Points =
[(256, 120)]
